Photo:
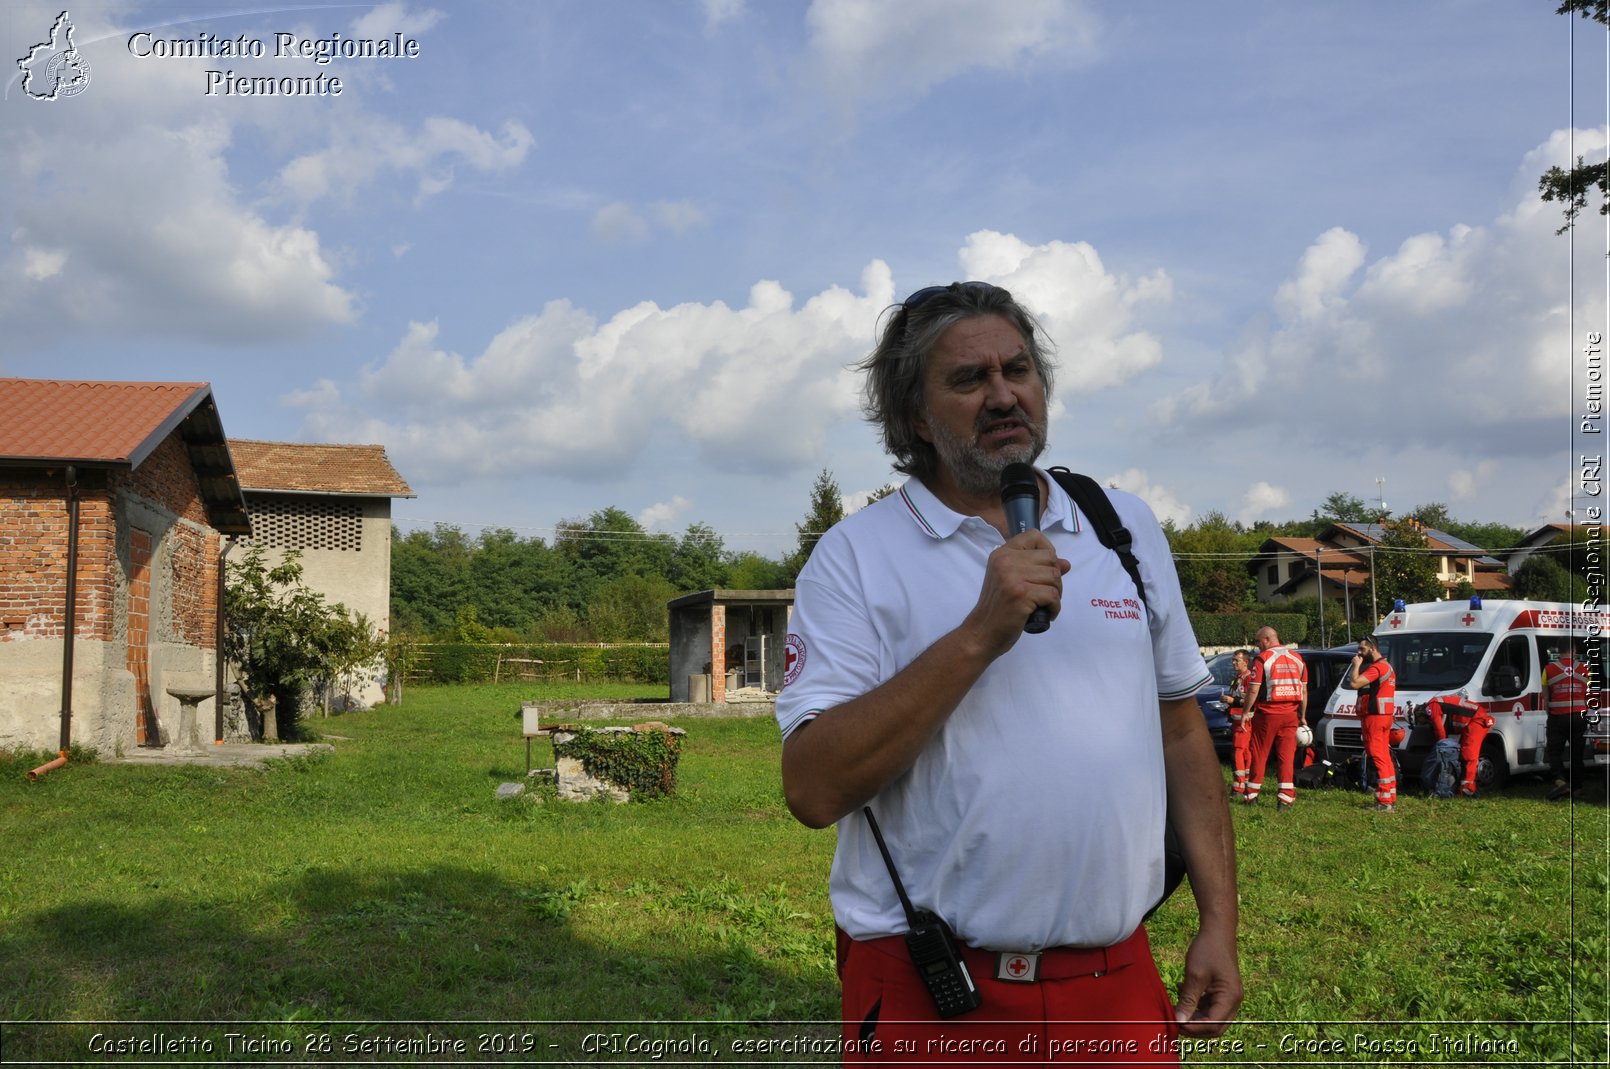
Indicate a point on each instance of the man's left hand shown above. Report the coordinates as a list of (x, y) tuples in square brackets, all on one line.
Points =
[(1210, 994)]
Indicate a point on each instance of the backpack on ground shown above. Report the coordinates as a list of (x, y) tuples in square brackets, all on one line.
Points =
[(1321, 775), (1442, 769)]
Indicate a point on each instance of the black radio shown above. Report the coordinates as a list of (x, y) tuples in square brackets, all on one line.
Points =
[(932, 945), (939, 963)]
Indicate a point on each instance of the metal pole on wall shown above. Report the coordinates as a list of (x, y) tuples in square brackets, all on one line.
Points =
[(218, 649), (1319, 588), (71, 617)]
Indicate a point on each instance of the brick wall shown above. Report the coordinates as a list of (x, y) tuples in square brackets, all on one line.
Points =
[(33, 550), (33, 558), (167, 480)]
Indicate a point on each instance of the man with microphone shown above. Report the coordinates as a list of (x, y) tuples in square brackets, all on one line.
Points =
[(1020, 780)]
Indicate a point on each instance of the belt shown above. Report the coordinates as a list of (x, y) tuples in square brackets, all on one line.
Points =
[(1052, 963)]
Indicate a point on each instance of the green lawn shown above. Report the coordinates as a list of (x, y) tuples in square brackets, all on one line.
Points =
[(384, 884)]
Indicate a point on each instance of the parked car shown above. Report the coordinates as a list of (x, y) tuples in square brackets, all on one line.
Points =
[(1325, 671), (1211, 699)]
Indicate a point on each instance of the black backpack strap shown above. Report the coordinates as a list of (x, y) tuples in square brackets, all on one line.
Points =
[(1097, 507)]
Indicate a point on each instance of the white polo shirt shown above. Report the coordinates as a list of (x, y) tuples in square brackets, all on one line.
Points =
[(1034, 817)]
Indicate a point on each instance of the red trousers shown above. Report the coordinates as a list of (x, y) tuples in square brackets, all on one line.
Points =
[(1277, 732), (1241, 756), (1377, 731), (1106, 1006), (1470, 741)]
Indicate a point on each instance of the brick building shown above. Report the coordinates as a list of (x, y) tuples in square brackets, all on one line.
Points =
[(122, 489), (332, 504)]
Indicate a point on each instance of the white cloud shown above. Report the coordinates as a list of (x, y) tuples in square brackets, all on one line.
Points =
[(1164, 503), (1262, 501), (662, 513), (40, 264), (619, 222), (1088, 312), (1466, 483), (136, 213), (752, 388), (1456, 340), (361, 152), (872, 46), (680, 216), (389, 18), (719, 12)]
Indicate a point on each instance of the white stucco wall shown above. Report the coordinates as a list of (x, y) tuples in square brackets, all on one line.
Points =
[(358, 579)]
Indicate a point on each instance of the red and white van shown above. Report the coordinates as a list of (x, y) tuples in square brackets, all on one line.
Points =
[(1488, 655)]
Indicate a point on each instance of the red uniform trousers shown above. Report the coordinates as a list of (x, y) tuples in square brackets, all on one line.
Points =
[(1475, 733), (1241, 755), (1377, 732), (1277, 732), (1102, 1005)]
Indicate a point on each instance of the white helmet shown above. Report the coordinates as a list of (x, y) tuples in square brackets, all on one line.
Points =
[(1305, 735)]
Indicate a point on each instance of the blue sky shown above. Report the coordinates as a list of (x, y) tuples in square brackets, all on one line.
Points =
[(576, 255)]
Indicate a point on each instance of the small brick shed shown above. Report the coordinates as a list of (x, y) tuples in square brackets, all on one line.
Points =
[(145, 467)]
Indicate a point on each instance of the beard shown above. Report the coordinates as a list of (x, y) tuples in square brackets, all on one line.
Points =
[(975, 471)]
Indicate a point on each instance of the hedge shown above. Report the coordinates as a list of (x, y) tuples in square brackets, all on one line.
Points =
[(478, 662)]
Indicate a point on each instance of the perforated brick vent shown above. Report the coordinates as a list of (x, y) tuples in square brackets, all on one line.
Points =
[(307, 523)]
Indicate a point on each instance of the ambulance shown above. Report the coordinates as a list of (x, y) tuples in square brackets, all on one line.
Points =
[(1488, 655)]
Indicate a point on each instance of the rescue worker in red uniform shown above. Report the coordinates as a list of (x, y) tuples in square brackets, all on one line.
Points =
[(1565, 695), (1277, 695), (1376, 684), (1240, 722), (1450, 716)]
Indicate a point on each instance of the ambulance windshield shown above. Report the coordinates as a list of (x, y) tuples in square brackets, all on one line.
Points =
[(1434, 660)]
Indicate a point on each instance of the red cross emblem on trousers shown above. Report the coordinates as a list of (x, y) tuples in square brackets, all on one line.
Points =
[(1023, 968)]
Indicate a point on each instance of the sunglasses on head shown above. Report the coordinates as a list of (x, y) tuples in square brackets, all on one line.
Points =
[(927, 293)]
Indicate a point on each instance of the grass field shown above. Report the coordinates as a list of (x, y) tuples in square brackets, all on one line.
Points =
[(325, 908)]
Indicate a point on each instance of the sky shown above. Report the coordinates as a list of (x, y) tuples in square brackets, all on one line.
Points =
[(572, 255)]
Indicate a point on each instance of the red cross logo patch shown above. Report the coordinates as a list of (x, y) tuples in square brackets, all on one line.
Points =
[(1017, 968)]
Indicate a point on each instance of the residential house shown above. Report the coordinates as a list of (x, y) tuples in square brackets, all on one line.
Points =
[(1341, 560), (331, 504), (114, 497)]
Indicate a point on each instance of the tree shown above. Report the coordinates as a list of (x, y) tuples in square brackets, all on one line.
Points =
[(751, 571), (1541, 578), (605, 546), (1434, 514), (1211, 559), (281, 635), (699, 561), (1402, 567), (631, 608), (1343, 507), (827, 508), (1571, 187)]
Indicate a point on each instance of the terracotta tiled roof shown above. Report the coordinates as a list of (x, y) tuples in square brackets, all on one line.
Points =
[(295, 467), (115, 423), (51, 422)]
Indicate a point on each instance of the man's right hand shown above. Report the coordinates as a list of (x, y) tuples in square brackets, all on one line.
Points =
[(1023, 575)]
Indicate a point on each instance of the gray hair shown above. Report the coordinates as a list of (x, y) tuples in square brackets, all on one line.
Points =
[(897, 369)]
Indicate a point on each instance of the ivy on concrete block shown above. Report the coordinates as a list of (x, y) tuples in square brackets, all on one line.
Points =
[(641, 760)]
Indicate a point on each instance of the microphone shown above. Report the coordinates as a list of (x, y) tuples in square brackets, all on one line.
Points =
[(1020, 497)]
